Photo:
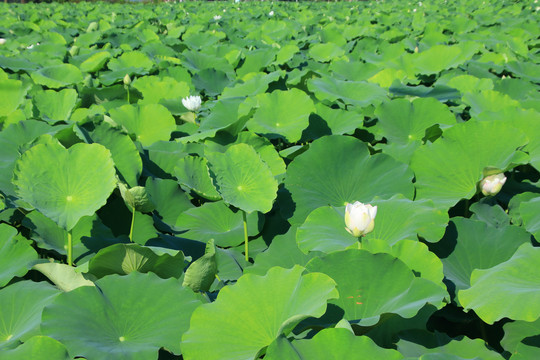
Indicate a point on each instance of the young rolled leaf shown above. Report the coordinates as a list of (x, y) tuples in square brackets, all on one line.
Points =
[(202, 272)]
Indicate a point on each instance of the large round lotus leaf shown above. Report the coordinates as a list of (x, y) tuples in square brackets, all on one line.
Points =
[(37, 348), (488, 100), (131, 60), (517, 333), (12, 93), (441, 57), (155, 89), (55, 106), (16, 254), (403, 121), (13, 140), (262, 309), (426, 345), (509, 289), (366, 292), (283, 252), (95, 62), (326, 52), (450, 169), (162, 157), (192, 172), (211, 81), (57, 76), (476, 245), (65, 184), (282, 114), (21, 305), (125, 155), (216, 221), (148, 123), (256, 60), (88, 236), (123, 317), (338, 120), (530, 213), (468, 83), (169, 199), (338, 169), (123, 259), (253, 84), (243, 179), (358, 93), (330, 344), (414, 254), (65, 277)]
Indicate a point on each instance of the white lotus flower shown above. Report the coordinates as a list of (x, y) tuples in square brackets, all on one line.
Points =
[(217, 17), (192, 103), (492, 184), (360, 218), (271, 13), (2, 41)]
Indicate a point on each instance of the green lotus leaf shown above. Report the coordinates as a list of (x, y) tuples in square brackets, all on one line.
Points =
[(162, 157), (13, 140), (358, 93), (530, 213), (57, 76), (469, 83), (263, 311), (414, 254), (527, 70), (436, 346), (243, 179), (65, 184), (202, 272), (12, 93), (21, 305), (155, 89), (403, 121), (445, 171), (256, 60), (65, 277), (88, 236), (495, 292), (211, 81), (16, 254), (56, 106), (95, 62), (169, 199), (320, 177), (326, 52), (148, 123), (250, 85), (477, 245), (441, 57), (285, 54), (37, 347), (17, 63), (143, 228), (125, 155), (365, 293), (282, 114), (118, 317), (130, 60), (192, 172), (216, 221), (282, 252), (488, 100), (517, 333), (123, 259), (339, 121), (331, 343), (492, 214)]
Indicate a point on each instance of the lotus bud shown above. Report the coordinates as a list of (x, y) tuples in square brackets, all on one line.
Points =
[(492, 184), (360, 218), (192, 103), (2, 41), (127, 80)]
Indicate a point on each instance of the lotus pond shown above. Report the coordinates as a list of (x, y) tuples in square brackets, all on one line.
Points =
[(175, 180)]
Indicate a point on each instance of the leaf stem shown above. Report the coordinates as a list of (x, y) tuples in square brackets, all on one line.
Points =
[(70, 249), (245, 235), (127, 95), (131, 228)]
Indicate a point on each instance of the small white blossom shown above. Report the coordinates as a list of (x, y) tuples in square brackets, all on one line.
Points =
[(192, 103), (2, 41), (217, 17), (271, 13), (491, 185), (360, 218), (413, 10), (420, 3), (236, 1)]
